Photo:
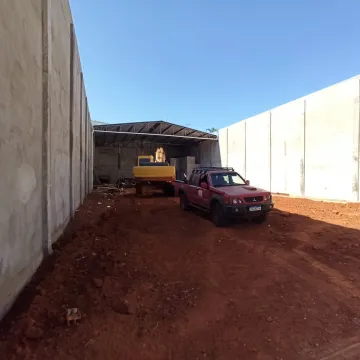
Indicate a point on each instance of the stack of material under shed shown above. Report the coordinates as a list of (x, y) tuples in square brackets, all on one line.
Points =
[(183, 165)]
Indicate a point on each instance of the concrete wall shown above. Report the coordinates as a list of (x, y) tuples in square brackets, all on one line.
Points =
[(209, 153), (40, 140), (309, 147), (117, 161)]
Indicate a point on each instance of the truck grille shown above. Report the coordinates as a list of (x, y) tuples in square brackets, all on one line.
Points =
[(253, 199)]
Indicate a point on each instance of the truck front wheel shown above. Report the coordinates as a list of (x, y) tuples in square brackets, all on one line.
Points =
[(218, 215), (184, 203)]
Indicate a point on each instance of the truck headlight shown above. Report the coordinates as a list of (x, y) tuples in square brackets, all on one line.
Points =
[(267, 197), (236, 201)]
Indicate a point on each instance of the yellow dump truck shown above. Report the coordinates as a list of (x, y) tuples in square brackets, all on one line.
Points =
[(150, 174)]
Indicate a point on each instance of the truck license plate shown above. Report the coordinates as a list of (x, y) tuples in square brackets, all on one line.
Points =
[(255, 208)]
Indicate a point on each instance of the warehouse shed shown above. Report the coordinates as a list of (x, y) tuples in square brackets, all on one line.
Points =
[(118, 145)]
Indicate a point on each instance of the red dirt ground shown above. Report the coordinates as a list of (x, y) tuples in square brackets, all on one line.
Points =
[(157, 283)]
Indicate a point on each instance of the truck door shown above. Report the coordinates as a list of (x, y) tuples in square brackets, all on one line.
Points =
[(204, 195), (193, 188)]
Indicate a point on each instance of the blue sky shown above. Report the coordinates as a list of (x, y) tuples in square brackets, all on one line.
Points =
[(207, 63)]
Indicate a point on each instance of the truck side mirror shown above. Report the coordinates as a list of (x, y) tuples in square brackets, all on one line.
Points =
[(247, 182)]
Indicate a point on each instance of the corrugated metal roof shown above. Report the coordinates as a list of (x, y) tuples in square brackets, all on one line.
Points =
[(151, 131)]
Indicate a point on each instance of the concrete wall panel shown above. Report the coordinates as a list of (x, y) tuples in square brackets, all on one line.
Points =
[(329, 127), (356, 151), (59, 124), (287, 148), (106, 163), (90, 153), (237, 147), (20, 145), (209, 153), (223, 146), (82, 142), (309, 147), (35, 143), (258, 150), (77, 90)]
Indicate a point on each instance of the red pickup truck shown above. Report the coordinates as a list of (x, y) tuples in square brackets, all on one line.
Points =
[(225, 194)]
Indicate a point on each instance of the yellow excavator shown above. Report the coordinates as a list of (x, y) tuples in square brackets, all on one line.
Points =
[(150, 174)]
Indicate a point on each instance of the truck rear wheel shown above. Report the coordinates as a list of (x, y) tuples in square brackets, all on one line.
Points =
[(139, 189), (184, 203), (218, 215)]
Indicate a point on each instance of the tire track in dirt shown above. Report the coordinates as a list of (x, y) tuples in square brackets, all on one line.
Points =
[(330, 282), (348, 350), (336, 282), (341, 292), (334, 276)]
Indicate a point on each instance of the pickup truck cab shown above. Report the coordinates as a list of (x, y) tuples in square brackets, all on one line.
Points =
[(225, 194)]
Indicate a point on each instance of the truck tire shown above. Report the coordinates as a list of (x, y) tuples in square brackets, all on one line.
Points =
[(169, 190), (184, 203), (218, 216), (138, 189), (260, 219)]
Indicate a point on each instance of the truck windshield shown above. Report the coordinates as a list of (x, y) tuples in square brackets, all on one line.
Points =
[(154, 164), (227, 179), (144, 161)]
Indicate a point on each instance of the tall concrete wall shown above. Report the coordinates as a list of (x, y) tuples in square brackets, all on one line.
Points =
[(209, 153), (40, 144), (309, 147)]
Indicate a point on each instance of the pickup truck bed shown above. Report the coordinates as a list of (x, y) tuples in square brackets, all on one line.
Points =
[(177, 185)]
